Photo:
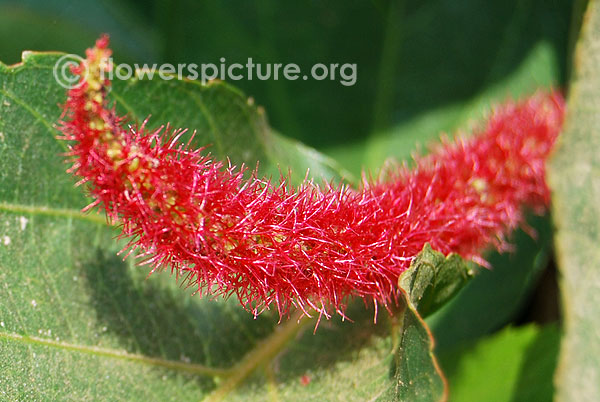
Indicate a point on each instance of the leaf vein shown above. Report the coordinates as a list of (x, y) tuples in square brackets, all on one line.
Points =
[(53, 212), (192, 368), (34, 113)]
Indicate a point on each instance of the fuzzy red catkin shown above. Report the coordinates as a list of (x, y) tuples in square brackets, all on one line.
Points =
[(310, 246)]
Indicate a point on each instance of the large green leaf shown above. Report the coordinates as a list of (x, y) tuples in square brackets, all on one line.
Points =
[(76, 321), (575, 181)]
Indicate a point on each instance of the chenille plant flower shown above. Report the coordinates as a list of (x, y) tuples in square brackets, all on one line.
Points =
[(311, 246)]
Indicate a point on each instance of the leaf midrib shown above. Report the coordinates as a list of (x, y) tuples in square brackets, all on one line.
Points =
[(42, 210)]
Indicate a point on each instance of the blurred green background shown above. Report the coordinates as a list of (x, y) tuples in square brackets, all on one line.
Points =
[(423, 67)]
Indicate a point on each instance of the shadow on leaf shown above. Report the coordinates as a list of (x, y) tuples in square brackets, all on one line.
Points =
[(151, 318)]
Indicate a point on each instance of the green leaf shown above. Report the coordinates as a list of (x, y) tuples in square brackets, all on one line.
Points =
[(69, 302), (434, 278), (417, 373), (575, 181), (515, 364), (77, 322), (431, 280)]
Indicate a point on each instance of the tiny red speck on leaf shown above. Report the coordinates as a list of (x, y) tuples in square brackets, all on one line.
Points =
[(311, 246)]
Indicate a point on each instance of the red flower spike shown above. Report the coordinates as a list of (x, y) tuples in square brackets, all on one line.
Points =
[(310, 247)]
